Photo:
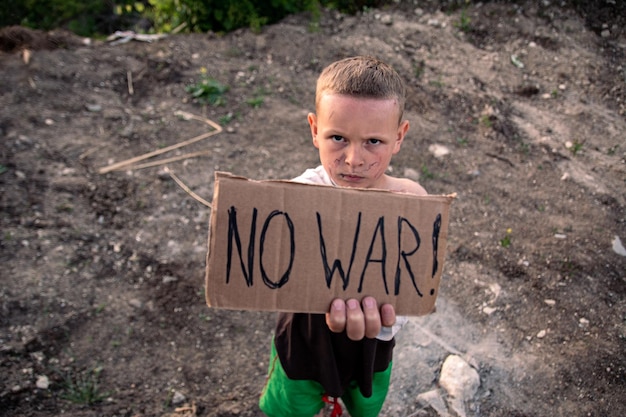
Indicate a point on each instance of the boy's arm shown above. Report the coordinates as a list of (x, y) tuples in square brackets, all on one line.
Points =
[(359, 319)]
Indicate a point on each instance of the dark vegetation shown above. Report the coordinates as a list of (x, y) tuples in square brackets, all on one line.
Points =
[(100, 18)]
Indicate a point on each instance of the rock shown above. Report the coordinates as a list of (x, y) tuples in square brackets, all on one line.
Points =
[(460, 380), (42, 382), (411, 174), (92, 107), (178, 398), (386, 19), (434, 400), (169, 278), (438, 151), (489, 310), (618, 247)]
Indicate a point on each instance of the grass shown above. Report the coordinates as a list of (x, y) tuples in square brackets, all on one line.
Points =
[(226, 119), (462, 141), (427, 174), (505, 242), (208, 91), (485, 120), (576, 147), (257, 99), (464, 24), (82, 388)]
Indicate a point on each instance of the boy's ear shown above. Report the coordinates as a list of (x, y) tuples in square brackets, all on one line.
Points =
[(402, 129), (312, 118)]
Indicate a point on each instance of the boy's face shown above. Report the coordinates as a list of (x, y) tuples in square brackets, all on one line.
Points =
[(356, 138)]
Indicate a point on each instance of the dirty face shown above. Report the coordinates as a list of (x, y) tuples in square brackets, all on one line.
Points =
[(356, 138)]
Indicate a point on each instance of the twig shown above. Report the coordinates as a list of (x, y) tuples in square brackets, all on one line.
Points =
[(501, 158), (26, 56), (90, 151), (128, 164), (129, 78), (187, 189), (172, 159)]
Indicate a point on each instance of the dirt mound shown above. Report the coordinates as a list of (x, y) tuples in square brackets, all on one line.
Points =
[(17, 38)]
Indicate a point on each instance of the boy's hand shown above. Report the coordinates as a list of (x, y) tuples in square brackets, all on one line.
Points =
[(359, 320)]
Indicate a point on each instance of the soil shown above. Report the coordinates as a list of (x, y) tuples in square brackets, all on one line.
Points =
[(102, 296)]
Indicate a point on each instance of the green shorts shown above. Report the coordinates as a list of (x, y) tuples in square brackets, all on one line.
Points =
[(284, 397)]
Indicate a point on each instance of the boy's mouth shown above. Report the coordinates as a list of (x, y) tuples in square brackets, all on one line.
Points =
[(351, 177)]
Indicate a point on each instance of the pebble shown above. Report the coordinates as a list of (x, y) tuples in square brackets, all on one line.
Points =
[(386, 19), (178, 398), (433, 22), (42, 382), (93, 107), (489, 310), (411, 174), (438, 151), (541, 334), (168, 278), (618, 247)]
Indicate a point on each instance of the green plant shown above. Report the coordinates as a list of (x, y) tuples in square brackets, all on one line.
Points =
[(3, 169), (222, 15), (258, 98), (462, 141), (427, 173), (505, 242), (436, 83), (576, 147), (418, 69), (485, 120), (82, 388), (208, 90), (464, 22), (256, 101), (226, 119), (524, 148)]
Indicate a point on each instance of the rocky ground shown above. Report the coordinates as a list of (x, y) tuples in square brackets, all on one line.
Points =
[(518, 108)]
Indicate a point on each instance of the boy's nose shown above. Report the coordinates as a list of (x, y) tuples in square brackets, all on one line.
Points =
[(354, 156)]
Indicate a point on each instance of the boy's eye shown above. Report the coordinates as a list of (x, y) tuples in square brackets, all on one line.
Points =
[(374, 141), (337, 138)]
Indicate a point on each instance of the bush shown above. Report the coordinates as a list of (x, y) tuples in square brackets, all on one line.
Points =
[(97, 17), (222, 15), (83, 17)]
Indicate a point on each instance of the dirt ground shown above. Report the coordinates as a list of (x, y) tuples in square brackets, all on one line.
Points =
[(520, 109)]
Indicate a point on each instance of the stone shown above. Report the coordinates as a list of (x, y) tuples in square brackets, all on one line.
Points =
[(460, 380)]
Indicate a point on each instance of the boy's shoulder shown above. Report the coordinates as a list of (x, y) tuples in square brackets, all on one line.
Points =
[(405, 185)]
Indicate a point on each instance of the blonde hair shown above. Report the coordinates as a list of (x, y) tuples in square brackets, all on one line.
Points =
[(362, 76)]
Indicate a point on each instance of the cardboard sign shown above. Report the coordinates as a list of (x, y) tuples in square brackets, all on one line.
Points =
[(285, 246)]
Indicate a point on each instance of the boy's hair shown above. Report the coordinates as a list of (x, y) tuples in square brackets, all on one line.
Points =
[(362, 76)]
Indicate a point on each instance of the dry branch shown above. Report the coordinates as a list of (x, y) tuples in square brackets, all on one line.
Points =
[(187, 189), (130, 163)]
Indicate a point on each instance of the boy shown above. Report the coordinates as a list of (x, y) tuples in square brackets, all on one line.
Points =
[(347, 353)]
